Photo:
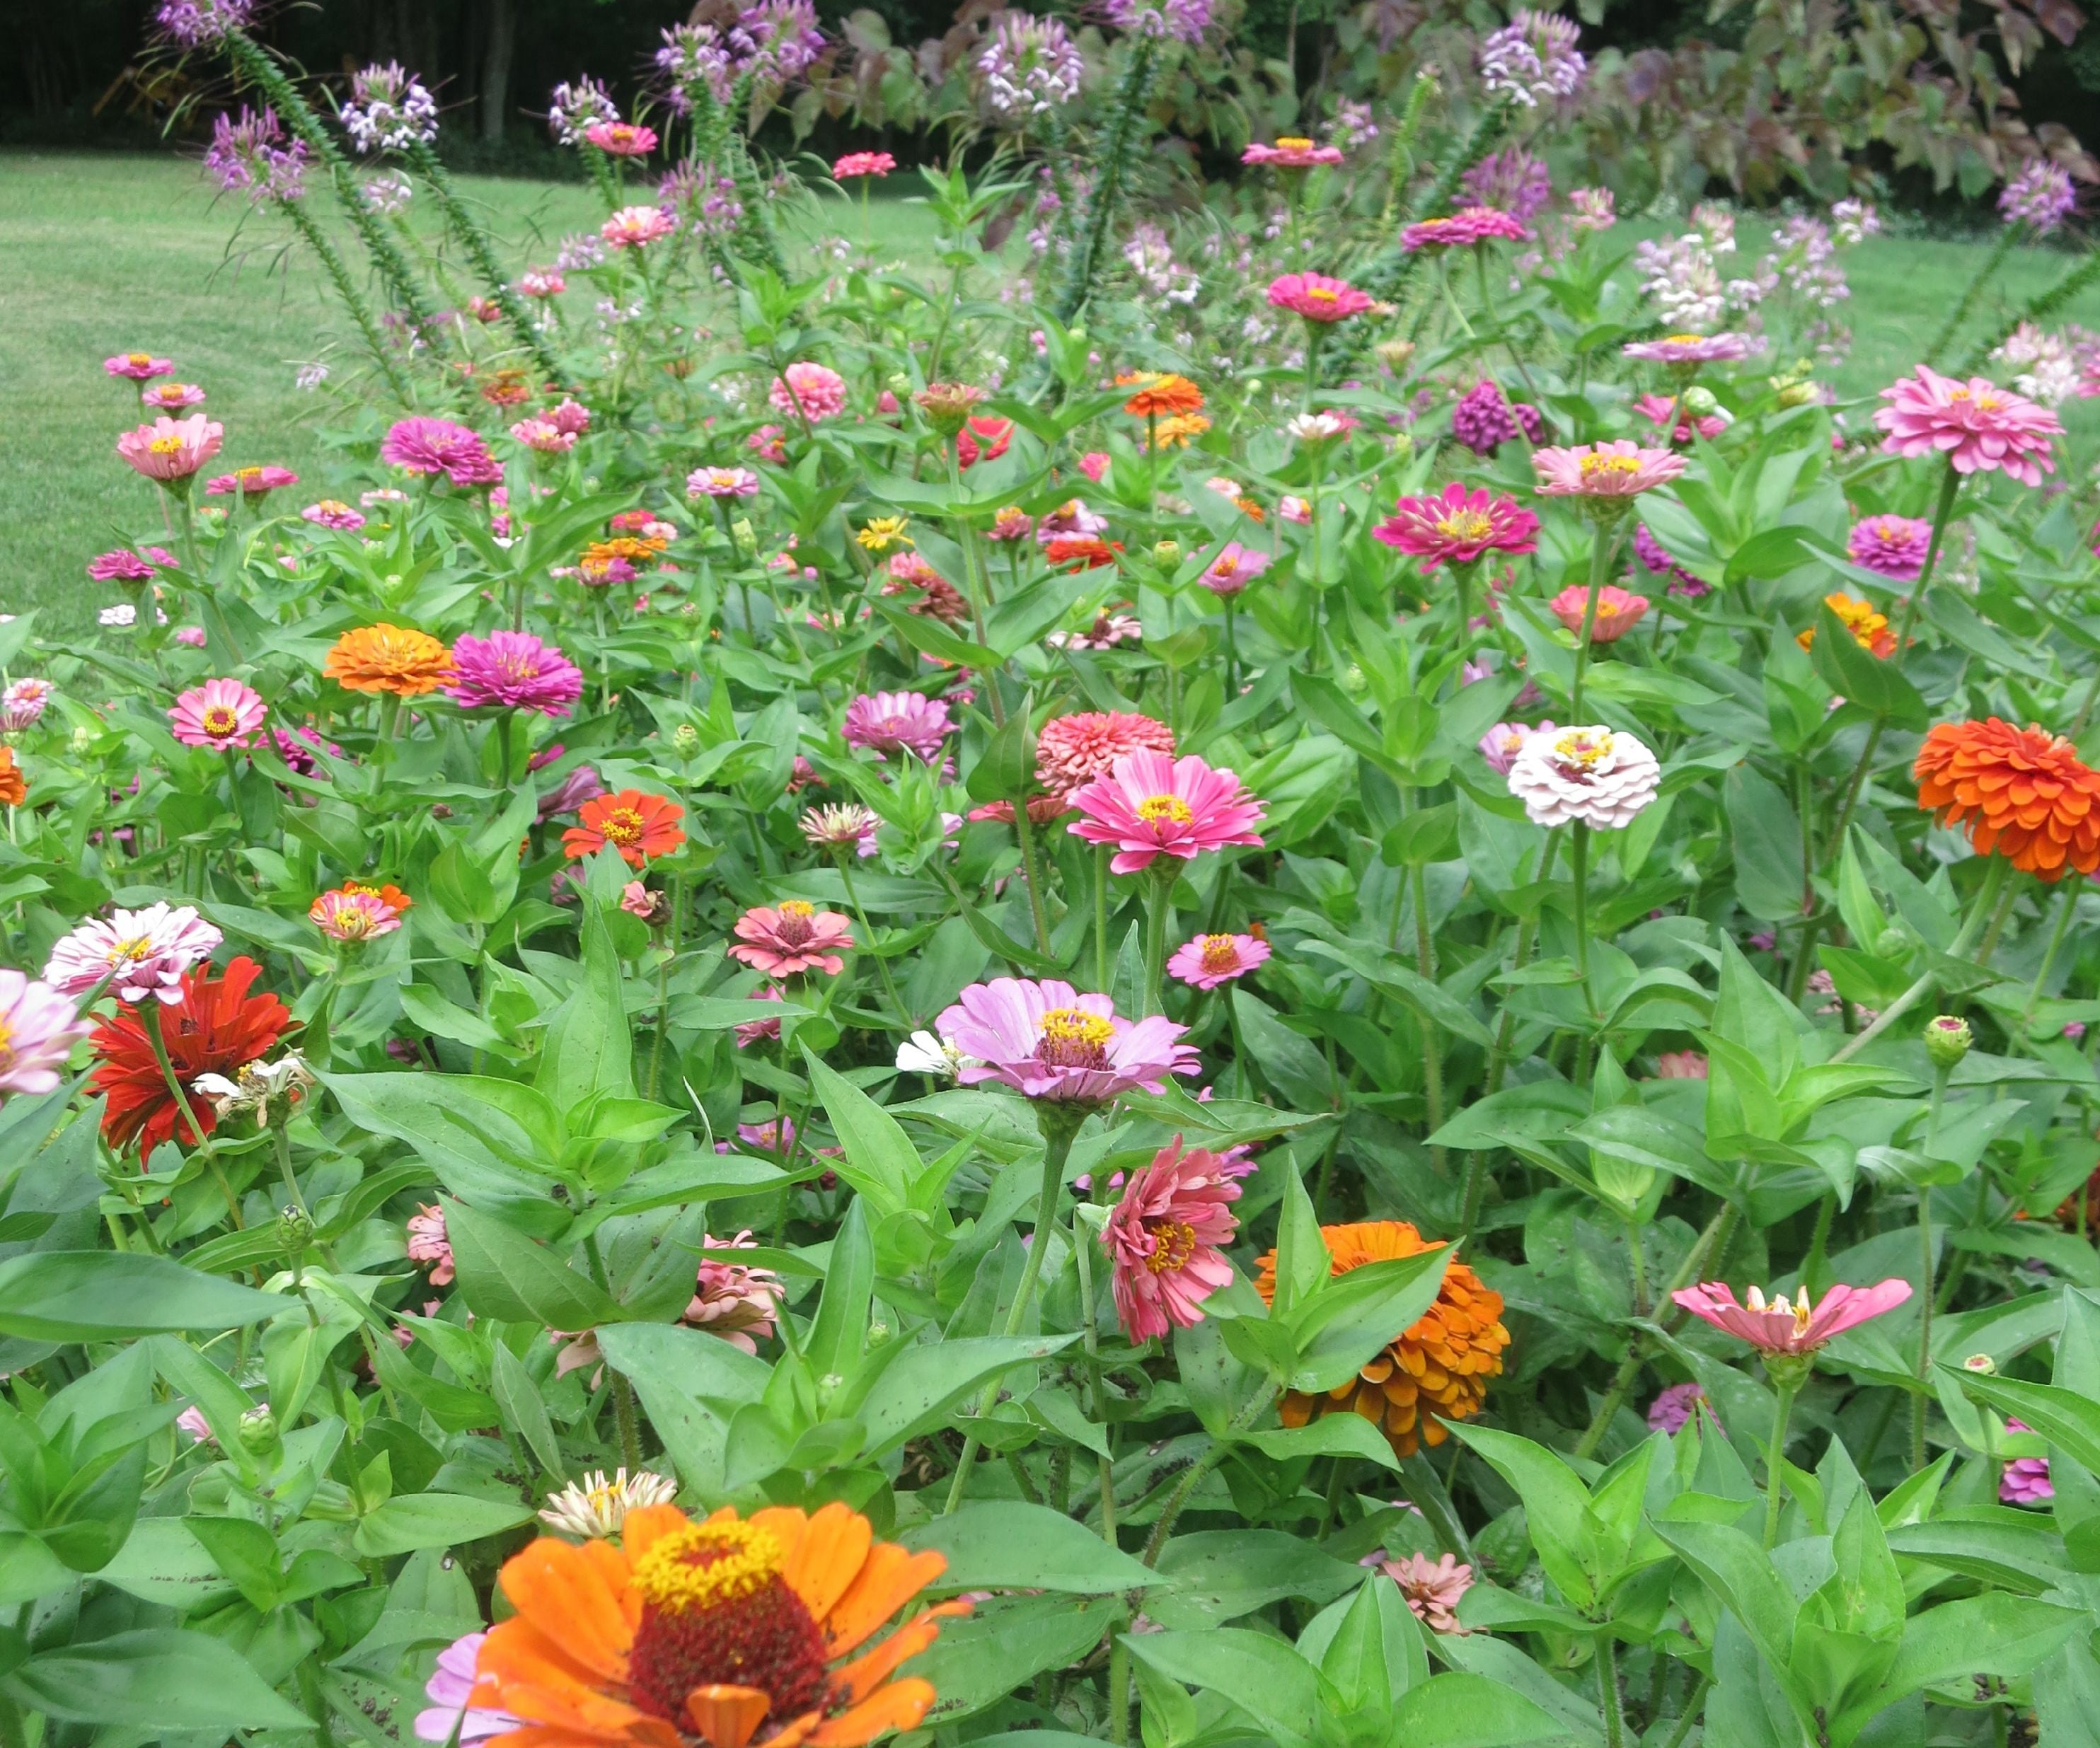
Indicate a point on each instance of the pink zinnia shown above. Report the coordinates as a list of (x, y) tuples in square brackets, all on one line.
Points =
[(1432, 1589), (1659, 409), (514, 671), (172, 449), (1094, 463), (721, 483), (1070, 521), (816, 391), (437, 446), (219, 714), (635, 226), (1469, 225), (1149, 805), (1458, 526), (428, 1241), (1681, 1065), (1693, 349), (119, 566), (38, 1028), (142, 952), (1618, 612), (886, 722), (1289, 154), (1616, 469), (1673, 1408), (1165, 1240), (1234, 567), (1502, 743), (1890, 546), (1780, 1326), (622, 139), (172, 397), (2026, 1479), (542, 438), (750, 1032), (795, 937), (23, 704), (862, 164), (190, 636), (140, 366), (1048, 1041), (1206, 960), (542, 282), (1077, 749), (1976, 424), (333, 512), (251, 482), (352, 914), (1318, 297)]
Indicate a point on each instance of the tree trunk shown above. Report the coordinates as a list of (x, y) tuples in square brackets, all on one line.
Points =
[(496, 69)]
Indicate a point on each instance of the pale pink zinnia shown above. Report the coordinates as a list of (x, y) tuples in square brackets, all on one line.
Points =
[(1693, 349), (1076, 749), (795, 937), (141, 953), (1234, 567), (735, 1300), (1457, 526), (636, 227), (351, 914), (886, 722), (172, 449), (514, 671), (1166, 1239), (721, 483), (1318, 297), (1206, 960), (1890, 546), (219, 714), (1048, 1041), (171, 397), (1618, 469), (1976, 424), (542, 438), (1681, 1065), (750, 1032), (1150, 805), (1070, 521), (23, 704), (1502, 743), (333, 512), (251, 482), (1780, 1325), (38, 1028), (429, 1243), (815, 391), (1618, 612), (1431, 1589), (1596, 776)]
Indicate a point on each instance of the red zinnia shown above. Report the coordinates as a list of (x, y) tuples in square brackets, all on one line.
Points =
[(1081, 552), (217, 1027)]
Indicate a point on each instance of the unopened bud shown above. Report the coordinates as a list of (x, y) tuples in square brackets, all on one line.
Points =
[(1946, 1040), (83, 737), (946, 405), (1697, 400), (1982, 1364), (899, 383), (878, 1333), (1168, 552), (295, 1231), (1799, 394), (686, 739), (1395, 354), (1893, 943), (258, 1431)]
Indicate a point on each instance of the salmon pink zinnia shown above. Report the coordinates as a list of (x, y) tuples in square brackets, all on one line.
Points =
[(352, 915), (172, 450), (1048, 1041), (815, 391), (636, 226), (1165, 1240), (1618, 469), (139, 367), (1458, 526), (1780, 1325), (1150, 805), (862, 164), (795, 936), (1076, 749), (219, 714), (252, 483), (1318, 297), (1976, 424), (1618, 612)]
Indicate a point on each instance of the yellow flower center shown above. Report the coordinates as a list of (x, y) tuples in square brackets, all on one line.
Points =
[(707, 1565), (1578, 748), (1292, 142), (139, 360), (797, 907), (1468, 525), (352, 921), (248, 476), (1072, 1038), (1606, 608), (1221, 952), (1989, 403), (1684, 340), (219, 720), (1173, 1244), (622, 826), (165, 446), (332, 507), (1321, 294), (130, 952), (6, 1045), (1957, 394), (1592, 465), (1171, 809)]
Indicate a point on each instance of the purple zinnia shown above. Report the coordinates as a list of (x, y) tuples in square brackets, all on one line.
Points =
[(514, 671), (1048, 1041), (884, 722), (452, 1715), (296, 748), (1659, 563), (1673, 1408), (1514, 180), (2039, 196), (1483, 420), (2026, 1479), (437, 446), (1890, 546)]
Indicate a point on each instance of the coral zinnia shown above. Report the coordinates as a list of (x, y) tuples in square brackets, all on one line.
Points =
[(14, 783), (1618, 612), (2023, 793), (1150, 805), (713, 1631), (1076, 749), (1457, 526), (352, 914), (1048, 1041), (636, 825), (1437, 1369), (215, 1028), (384, 657), (795, 937), (1978, 426), (1158, 394), (1166, 1238)]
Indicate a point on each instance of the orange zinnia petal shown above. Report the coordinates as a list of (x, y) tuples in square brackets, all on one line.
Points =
[(898, 1706), (830, 1558), (891, 1578), (725, 1716), (572, 1599)]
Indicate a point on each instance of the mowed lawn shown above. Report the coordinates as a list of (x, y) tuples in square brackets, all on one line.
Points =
[(106, 253)]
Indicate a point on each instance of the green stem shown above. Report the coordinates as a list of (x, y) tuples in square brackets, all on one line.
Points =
[(1115, 160), (149, 1017), (475, 242), (1776, 1457), (1176, 1501), (1609, 1702), (1690, 1715), (1579, 854), (2069, 907), (867, 933), (1101, 855), (1160, 902), (1985, 905), (1601, 549), (1432, 1047), (353, 300), (1950, 486)]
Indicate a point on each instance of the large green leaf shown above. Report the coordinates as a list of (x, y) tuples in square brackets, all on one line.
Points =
[(916, 1390), (880, 1162), (2065, 1418), (1338, 1330), (434, 1520), (1458, 1711), (104, 1295), (1012, 1545), (508, 1276), (1263, 1676), (159, 1679)]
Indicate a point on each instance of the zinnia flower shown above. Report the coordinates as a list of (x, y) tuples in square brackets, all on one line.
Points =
[(638, 826), (333, 512), (1291, 152), (1048, 1041), (252, 483), (142, 952), (2022, 793), (1318, 297), (1502, 743), (1668, 410), (1234, 567), (1693, 349), (172, 397), (38, 1028), (218, 714), (1680, 1065), (1150, 805), (119, 566), (734, 1300), (168, 450), (213, 1026), (622, 139), (1432, 1589), (886, 722), (390, 658), (139, 367), (636, 226), (1463, 229), (1457, 526), (1781, 1326), (352, 915), (1616, 469), (2026, 1479), (514, 671), (795, 937), (708, 1631), (1976, 424), (816, 391), (1596, 776), (1891, 546), (23, 704), (1076, 749), (983, 438), (451, 1714), (721, 483), (1434, 1370), (14, 784), (1868, 625), (437, 446), (1209, 960), (1617, 611), (429, 1243), (1157, 394), (880, 533), (1165, 1241), (595, 1508), (862, 164)]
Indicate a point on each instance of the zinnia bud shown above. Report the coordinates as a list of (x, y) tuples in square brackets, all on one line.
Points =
[(258, 1431), (1698, 400), (1982, 1364), (946, 405), (295, 1231), (1893, 943), (686, 739), (1168, 552), (1395, 354), (1946, 1040)]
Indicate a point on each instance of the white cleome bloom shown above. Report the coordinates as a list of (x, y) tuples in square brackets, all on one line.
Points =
[(1597, 777), (928, 1052), (595, 1508)]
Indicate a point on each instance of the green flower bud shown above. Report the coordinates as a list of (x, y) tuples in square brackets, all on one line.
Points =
[(1946, 1040), (1168, 552), (295, 1231), (686, 739), (1799, 394), (1893, 943), (1699, 401), (258, 1431)]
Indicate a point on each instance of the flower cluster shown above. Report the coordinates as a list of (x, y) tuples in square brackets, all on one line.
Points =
[(389, 110)]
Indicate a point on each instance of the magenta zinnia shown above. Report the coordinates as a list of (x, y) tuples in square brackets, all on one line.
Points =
[(1468, 226), (814, 391), (1778, 1325), (219, 714), (1891, 546), (437, 446), (1457, 526), (885, 722), (1048, 1041), (1318, 297), (1976, 424), (1234, 567), (1149, 805), (514, 671), (1166, 1238)]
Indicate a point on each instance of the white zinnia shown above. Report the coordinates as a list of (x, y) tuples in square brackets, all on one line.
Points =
[(1596, 776), (595, 1508)]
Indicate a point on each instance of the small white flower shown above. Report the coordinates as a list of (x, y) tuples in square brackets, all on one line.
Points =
[(1597, 777), (1224, 487), (1315, 427), (257, 1086), (311, 376), (928, 1052), (595, 1508)]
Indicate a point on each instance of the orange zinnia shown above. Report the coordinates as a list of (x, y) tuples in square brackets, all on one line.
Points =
[(385, 658), (1436, 1372), (717, 1631), (14, 786), (2023, 793), (637, 826), (1176, 431), (1081, 552), (1869, 627), (1160, 393)]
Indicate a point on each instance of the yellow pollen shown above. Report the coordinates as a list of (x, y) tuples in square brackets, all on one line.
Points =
[(130, 952), (1173, 1244), (219, 719), (247, 475), (1467, 525), (1988, 403), (797, 907), (1594, 464), (140, 359), (1292, 142), (351, 921), (1155, 809), (622, 825), (1221, 952), (707, 1565), (1584, 749), (1683, 339), (6, 1045), (1605, 609), (1323, 294), (1073, 1025), (165, 446), (1957, 394)]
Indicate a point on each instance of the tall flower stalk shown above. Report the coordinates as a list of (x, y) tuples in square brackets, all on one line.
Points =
[(474, 241), (1131, 96)]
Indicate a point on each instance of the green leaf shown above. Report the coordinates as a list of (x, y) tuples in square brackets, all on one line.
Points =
[(1304, 1265), (1767, 838), (1329, 1435), (1555, 1506), (105, 1295), (1459, 1710), (434, 1520), (506, 1275), (880, 1163), (1263, 1676), (836, 1337), (478, 1135), (2067, 1420), (1012, 1545), (245, 1552), (1992, 1634), (589, 1048), (159, 1679), (1860, 677), (1359, 1312), (524, 1411), (917, 1389)]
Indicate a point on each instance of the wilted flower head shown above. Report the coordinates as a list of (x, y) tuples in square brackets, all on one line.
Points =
[(254, 155), (1049, 1041), (1787, 1326), (1431, 1589), (1596, 776), (1030, 67), (1533, 57), (594, 1509), (2040, 195), (389, 110), (258, 1087), (142, 953)]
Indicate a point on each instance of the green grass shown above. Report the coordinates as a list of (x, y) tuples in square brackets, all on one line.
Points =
[(105, 254)]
